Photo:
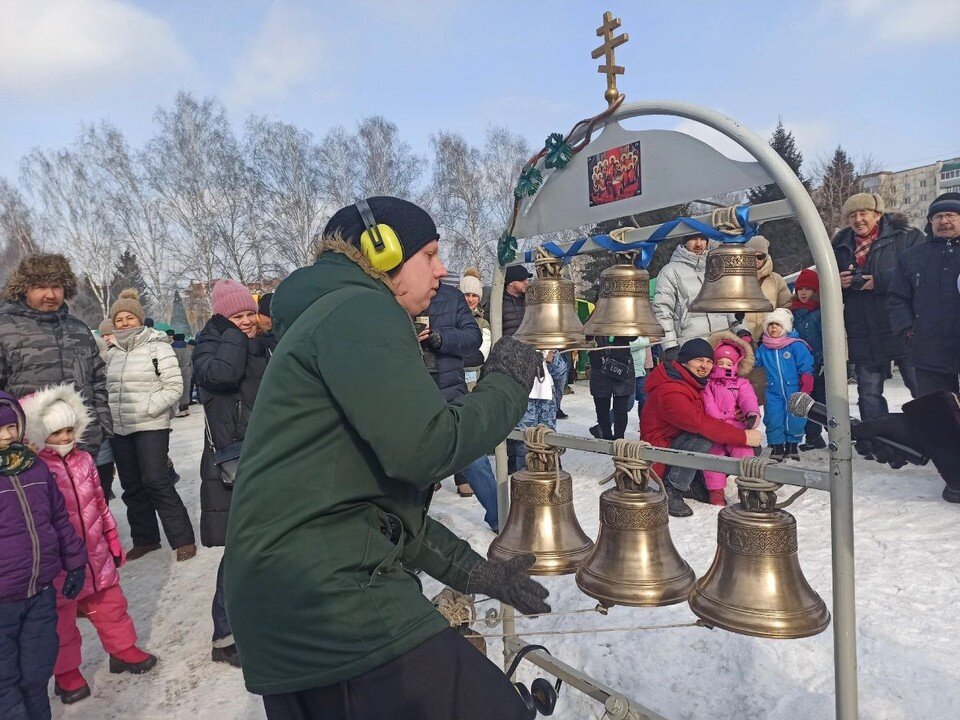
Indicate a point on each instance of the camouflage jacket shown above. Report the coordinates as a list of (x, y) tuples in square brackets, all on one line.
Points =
[(45, 348)]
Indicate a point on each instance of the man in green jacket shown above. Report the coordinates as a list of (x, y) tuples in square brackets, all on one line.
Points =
[(329, 525)]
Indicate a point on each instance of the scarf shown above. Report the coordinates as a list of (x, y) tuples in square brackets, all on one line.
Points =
[(863, 245), (15, 458), (778, 343), (810, 305)]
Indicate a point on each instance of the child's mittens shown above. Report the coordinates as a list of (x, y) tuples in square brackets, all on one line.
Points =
[(116, 549), (806, 383), (73, 583), (751, 420)]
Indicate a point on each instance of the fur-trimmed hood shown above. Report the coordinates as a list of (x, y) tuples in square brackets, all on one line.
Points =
[(42, 269), (54, 401), (725, 336), (335, 244)]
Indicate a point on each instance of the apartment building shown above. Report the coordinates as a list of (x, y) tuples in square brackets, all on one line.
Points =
[(912, 190)]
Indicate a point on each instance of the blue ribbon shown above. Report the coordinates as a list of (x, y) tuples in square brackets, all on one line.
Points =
[(646, 247)]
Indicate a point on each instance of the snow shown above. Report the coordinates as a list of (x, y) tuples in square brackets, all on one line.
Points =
[(907, 544)]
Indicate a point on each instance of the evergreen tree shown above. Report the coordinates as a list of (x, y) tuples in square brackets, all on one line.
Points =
[(127, 274), (178, 316), (785, 144)]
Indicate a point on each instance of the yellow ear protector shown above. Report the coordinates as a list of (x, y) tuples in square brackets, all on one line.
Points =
[(541, 697), (379, 242)]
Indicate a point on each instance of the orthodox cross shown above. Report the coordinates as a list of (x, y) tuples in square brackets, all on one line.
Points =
[(610, 23)]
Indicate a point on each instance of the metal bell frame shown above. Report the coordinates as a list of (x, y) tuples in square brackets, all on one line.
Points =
[(838, 481)]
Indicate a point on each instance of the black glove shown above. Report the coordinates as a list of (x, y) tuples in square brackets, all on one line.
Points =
[(220, 323), (509, 582), (73, 583), (752, 420), (670, 354), (517, 359), (892, 426), (433, 342)]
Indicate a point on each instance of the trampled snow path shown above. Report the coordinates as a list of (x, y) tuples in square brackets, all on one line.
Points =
[(908, 579)]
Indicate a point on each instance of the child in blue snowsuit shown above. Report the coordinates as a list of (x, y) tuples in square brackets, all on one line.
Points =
[(807, 323), (789, 365)]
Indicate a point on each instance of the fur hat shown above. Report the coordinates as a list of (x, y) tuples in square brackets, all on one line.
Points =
[(129, 301), (412, 224), (759, 244), (780, 316), (808, 279), (862, 201), (230, 297), (106, 327), (54, 408), (470, 282), (743, 348), (41, 269)]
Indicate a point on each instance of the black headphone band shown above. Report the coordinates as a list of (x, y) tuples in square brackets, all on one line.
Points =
[(366, 214)]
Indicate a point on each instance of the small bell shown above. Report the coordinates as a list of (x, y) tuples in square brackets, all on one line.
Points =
[(623, 302), (542, 520), (635, 562), (755, 585), (730, 282), (550, 320)]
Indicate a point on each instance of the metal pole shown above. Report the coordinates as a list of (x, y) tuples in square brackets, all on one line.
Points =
[(500, 454), (834, 345)]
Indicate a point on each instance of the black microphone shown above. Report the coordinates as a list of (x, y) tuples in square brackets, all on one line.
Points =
[(802, 405)]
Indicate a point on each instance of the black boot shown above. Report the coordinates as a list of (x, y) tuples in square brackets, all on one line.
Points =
[(698, 489), (676, 507), (227, 655), (814, 442), (778, 452), (951, 495), (793, 452)]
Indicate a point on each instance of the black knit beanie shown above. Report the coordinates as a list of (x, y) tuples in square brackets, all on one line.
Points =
[(263, 307), (696, 348), (413, 224), (945, 202)]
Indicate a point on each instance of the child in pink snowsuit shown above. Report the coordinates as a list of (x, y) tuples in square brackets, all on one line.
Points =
[(56, 419), (727, 394)]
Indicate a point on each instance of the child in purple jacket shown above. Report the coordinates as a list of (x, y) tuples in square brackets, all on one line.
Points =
[(729, 396), (37, 541)]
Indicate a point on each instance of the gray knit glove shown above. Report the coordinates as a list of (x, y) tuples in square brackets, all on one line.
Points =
[(509, 582), (517, 359)]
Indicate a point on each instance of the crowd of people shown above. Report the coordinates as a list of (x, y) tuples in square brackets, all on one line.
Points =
[(412, 392)]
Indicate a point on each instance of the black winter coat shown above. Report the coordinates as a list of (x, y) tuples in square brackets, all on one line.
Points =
[(460, 335), (869, 336), (228, 368), (513, 309), (924, 298), (602, 385)]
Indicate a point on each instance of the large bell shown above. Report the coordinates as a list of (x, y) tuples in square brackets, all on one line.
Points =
[(635, 561), (550, 320), (730, 282), (755, 585), (623, 303), (542, 520)]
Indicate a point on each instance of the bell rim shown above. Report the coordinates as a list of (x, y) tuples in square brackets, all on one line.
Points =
[(698, 306), (668, 599), (617, 329), (568, 568), (699, 600)]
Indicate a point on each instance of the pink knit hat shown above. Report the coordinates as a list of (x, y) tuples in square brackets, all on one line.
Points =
[(727, 350), (230, 297)]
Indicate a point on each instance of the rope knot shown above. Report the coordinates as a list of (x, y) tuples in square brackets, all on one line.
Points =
[(755, 491), (632, 472)]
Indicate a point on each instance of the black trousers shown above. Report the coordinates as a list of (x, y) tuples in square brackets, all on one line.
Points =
[(445, 678), (148, 490), (929, 381), (602, 407)]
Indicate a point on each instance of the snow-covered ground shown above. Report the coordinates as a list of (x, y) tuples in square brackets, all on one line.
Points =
[(908, 558)]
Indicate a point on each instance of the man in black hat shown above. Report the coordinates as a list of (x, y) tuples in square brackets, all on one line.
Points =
[(924, 299), (514, 298)]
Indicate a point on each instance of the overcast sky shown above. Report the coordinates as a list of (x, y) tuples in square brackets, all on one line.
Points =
[(872, 75)]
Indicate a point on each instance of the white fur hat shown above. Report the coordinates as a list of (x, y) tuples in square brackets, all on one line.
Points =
[(470, 283), (780, 316), (54, 408)]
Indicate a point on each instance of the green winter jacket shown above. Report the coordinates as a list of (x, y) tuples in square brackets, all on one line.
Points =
[(329, 514)]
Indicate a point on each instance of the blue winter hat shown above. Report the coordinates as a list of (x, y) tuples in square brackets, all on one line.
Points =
[(945, 202)]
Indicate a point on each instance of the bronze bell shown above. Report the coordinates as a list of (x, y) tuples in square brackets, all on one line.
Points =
[(755, 585), (550, 320), (730, 282), (623, 302), (635, 561), (542, 520)]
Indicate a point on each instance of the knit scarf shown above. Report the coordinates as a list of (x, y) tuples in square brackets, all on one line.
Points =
[(810, 305), (863, 245), (15, 458), (777, 343)]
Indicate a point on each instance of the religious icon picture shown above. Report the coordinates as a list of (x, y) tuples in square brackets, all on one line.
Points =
[(614, 174)]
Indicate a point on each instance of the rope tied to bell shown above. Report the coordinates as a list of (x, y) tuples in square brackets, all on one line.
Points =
[(632, 472), (752, 478), (545, 457)]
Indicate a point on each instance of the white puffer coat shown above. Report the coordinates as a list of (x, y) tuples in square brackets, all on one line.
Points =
[(142, 393), (678, 285)]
